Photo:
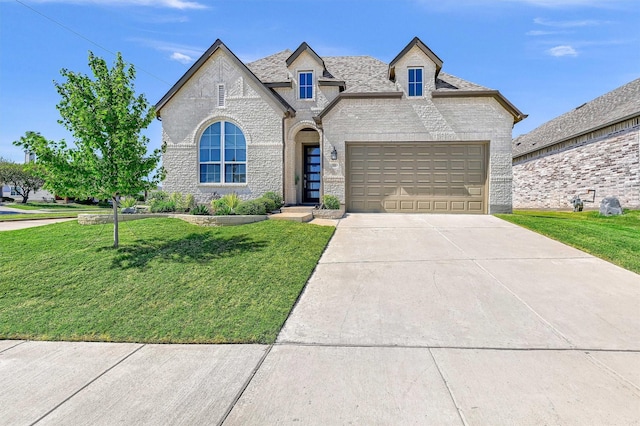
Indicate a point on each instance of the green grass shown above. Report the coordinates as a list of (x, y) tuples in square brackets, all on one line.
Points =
[(55, 206), (169, 282), (613, 238)]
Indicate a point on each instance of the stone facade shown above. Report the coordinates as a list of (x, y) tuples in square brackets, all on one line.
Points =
[(610, 165), (365, 101)]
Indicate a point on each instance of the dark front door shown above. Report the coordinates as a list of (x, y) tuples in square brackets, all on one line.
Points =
[(311, 181)]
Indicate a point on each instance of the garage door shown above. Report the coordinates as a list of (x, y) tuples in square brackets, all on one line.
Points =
[(417, 178)]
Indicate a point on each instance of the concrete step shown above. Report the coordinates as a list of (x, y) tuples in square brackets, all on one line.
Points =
[(297, 209), (293, 216)]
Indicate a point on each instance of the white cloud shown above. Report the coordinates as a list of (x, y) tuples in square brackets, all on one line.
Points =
[(573, 3), (569, 24), (564, 50), (536, 33), (173, 4), (174, 48), (182, 58)]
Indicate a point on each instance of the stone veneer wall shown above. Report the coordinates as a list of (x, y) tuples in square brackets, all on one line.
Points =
[(610, 165)]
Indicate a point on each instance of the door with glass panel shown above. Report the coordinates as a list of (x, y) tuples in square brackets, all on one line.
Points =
[(311, 178)]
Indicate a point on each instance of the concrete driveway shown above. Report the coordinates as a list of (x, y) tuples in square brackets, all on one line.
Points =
[(407, 319)]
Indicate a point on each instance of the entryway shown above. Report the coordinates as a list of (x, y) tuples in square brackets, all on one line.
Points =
[(312, 176)]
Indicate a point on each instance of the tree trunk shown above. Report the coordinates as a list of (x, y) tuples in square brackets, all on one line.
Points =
[(25, 198), (115, 221)]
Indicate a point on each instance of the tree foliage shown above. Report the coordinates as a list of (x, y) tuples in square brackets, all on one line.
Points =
[(25, 178), (106, 118)]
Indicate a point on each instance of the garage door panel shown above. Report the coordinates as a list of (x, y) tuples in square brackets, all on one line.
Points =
[(420, 177)]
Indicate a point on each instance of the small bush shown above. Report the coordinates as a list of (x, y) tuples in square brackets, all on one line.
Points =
[(200, 210), (8, 199), (277, 199), (232, 200), (178, 199), (160, 206), (127, 202), (269, 204), (223, 210), (190, 202), (158, 195), (251, 207), (331, 202)]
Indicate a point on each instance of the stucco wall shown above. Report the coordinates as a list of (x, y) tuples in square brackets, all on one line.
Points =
[(194, 108), (610, 165)]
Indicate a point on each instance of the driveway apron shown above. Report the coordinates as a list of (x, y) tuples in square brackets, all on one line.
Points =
[(443, 319)]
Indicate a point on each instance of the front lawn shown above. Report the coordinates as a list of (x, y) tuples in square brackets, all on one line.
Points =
[(613, 238), (169, 282)]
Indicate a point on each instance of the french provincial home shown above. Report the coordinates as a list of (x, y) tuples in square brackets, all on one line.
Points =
[(402, 136)]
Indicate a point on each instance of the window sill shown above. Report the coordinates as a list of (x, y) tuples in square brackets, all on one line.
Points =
[(220, 184)]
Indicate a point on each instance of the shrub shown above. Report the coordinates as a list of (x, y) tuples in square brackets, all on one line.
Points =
[(200, 210), (190, 202), (128, 202), (8, 199), (160, 206), (331, 202), (223, 210), (225, 205), (178, 199), (269, 204), (158, 195), (251, 207), (277, 199)]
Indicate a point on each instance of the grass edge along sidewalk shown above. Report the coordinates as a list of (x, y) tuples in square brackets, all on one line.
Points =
[(169, 282), (612, 238)]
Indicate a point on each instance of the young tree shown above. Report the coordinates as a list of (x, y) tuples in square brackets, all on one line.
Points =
[(23, 177), (106, 118)]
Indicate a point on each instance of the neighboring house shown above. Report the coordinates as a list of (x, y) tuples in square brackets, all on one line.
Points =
[(8, 191), (397, 137), (593, 147)]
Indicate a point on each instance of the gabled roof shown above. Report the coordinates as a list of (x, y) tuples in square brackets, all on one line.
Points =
[(618, 105), (425, 49), (304, 47), (219, 45)]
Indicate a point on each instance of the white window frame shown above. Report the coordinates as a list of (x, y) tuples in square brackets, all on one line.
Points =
[(313, 89), (421, 82), (222, 163)]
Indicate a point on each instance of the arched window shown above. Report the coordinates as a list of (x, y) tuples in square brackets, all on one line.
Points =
[(223, 154)]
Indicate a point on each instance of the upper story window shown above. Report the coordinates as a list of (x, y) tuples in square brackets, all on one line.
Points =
[(415, 82), (223, 154), (305, 84)]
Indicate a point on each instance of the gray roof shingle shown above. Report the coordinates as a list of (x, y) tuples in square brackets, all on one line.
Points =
[(361, 74), (617, 105)]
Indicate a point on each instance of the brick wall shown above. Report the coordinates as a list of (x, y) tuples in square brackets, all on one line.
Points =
[(610, 165)]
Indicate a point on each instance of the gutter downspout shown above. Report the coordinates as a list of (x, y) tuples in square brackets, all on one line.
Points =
[(284, 164)]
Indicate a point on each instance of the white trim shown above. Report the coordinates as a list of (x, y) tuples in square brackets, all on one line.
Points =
[(421, 82), (313, 85)]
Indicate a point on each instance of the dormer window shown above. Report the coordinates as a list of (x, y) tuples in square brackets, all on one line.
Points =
[(305, 84), (415, 82)]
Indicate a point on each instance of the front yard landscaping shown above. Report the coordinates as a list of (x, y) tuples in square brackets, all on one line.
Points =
[(169, 282), (613, 238)]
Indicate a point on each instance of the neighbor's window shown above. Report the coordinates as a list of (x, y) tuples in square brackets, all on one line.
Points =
[(223, 154), (415, 81), (305, 80)]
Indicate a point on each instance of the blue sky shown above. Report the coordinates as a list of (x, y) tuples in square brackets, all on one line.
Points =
[(546, 56)]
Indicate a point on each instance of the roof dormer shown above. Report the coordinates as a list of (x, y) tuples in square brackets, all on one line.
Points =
[(415, 68)]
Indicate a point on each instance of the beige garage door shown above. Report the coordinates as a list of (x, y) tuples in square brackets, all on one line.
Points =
[(417, 178)]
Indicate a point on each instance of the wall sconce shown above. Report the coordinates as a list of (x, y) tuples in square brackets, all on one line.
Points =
[(334, 154)]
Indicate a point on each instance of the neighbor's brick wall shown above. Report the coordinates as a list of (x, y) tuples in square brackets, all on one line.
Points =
[(194, 108), (610, 165)]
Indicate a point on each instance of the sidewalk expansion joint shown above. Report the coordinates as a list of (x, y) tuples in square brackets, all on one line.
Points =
[(451, 395), (88, 384), (11, 347), (244, 386)]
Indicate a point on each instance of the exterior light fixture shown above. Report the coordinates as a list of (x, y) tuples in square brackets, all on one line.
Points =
[(334, 154)]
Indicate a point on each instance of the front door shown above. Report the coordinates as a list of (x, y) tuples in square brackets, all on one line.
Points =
[(311, 178)]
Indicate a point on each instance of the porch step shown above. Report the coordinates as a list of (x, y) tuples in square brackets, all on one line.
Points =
[(293, 216), (297, 209)]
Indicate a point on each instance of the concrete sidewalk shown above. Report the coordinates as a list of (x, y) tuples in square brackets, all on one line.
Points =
[(408, 319)]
